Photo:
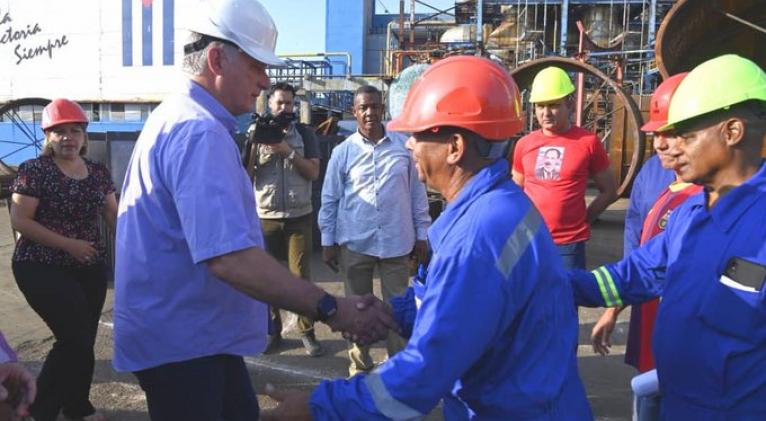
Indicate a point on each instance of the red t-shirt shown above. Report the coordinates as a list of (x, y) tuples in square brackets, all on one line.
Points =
[(556, 171)]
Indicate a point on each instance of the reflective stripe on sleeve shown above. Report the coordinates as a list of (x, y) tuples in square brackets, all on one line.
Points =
[(385, 403), (607, 287), (518, 241)]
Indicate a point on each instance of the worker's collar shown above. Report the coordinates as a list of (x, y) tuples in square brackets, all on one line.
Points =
[(483, 181), (370, 142), (211, 104), (730, 208)]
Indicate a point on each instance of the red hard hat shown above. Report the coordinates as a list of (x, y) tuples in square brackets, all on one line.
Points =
[(61, 111), (470, 92), (660, 102)]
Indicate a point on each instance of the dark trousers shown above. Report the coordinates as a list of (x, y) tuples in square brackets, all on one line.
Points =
[(70, 301), (290, 240), (572, 255), (210, 388)]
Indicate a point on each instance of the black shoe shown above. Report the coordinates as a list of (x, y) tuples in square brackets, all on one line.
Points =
[(273, 344), (313, 348)]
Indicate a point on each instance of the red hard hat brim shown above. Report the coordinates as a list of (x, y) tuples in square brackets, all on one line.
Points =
[(397, 125), (652, 126), (60, 122), (488, 131)]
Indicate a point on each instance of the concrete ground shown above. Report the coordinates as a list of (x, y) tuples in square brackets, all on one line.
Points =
[(119, 397)]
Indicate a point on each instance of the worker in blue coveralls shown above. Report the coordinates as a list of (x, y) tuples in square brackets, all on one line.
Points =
[(709, 265), (491, 322)]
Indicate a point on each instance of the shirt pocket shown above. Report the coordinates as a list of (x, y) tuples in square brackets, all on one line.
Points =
[(734, 313), (266, 196)]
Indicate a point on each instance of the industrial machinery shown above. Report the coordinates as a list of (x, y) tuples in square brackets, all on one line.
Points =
[(616, 51)]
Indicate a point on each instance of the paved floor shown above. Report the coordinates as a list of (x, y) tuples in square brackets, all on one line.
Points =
[(118, 395)]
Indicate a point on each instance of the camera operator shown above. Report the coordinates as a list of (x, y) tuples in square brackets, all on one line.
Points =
[(284, 173)]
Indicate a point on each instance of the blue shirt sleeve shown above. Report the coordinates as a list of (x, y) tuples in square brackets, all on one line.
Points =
[(636, 278), (634, 216), (462, 296), (405, 311), (332, 192), (213, 197), (6, 352)]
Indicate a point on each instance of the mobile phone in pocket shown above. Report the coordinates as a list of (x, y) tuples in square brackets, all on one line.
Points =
[(746, 273)]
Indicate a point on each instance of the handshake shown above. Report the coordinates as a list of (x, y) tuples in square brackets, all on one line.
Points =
[(362, 319)]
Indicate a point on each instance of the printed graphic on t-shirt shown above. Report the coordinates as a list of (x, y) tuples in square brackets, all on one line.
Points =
[(548, 164)]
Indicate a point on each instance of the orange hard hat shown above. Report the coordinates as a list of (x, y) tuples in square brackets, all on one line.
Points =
[(469, 92), (660, 102), (61, 111)]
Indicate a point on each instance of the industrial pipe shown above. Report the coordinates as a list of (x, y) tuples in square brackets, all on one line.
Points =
[(694, 31), (329, 54), (580, 76), (479, 21)]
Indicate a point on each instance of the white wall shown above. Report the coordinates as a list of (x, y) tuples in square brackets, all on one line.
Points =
[(85, 62)]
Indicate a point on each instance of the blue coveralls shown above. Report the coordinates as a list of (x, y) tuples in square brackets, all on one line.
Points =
[(496, 331), (710, 339)]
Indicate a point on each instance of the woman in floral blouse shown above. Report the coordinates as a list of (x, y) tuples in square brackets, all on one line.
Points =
[(59, 262)]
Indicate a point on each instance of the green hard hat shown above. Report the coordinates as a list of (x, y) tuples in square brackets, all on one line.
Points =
[(550, 84), (716, 85)]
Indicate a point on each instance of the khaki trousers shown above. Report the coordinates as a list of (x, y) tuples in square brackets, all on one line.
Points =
[(357, 272), (290, 239)]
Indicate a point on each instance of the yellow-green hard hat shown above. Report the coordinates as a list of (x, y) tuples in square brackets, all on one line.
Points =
[(716, 85), (550, 84)]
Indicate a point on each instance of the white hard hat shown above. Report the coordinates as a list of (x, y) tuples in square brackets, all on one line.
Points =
[(245, 23)]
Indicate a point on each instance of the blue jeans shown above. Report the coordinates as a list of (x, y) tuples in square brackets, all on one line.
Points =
[(216, 387), (646, 408), (572, 255), (646, 396)]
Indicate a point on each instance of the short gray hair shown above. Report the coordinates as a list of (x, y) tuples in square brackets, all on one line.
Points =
[(194, 62)]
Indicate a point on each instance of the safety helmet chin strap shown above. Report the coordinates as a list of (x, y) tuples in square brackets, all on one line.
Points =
[(203, 42)]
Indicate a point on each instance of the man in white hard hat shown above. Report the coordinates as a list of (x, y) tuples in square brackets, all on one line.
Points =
[(189, 249)]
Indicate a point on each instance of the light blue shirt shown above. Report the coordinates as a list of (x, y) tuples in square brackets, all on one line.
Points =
[(186, 199), (372, 200)]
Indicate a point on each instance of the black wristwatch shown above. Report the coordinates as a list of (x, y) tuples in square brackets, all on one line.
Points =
[(327, 306)]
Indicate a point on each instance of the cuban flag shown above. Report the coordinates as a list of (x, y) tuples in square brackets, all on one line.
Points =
[(147, 32)]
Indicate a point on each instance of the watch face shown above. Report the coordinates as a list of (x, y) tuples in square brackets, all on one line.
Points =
[(327, 307)]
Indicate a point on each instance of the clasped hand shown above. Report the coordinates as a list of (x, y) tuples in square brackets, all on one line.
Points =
[(363, 319), (17, 391), (81, 250)]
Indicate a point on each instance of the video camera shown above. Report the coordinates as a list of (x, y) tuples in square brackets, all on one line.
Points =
[(268, 129), (265, 129)]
